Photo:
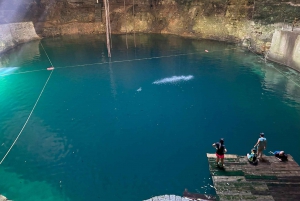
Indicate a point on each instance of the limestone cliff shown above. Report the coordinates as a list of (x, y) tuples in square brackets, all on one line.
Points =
[(285, 48), (251, 22), (16, 33)]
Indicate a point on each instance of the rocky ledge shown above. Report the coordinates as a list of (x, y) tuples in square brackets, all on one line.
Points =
[(2, 198)]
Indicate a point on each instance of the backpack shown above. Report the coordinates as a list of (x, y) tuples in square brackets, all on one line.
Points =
[(220, 148)]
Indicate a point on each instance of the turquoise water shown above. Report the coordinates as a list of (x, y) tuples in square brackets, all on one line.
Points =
[(139, 125)]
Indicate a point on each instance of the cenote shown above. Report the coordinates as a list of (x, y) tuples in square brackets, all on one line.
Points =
[(139, 124)]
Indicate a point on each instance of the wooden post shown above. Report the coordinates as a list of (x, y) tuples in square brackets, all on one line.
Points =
[(134, 26), (107, 27)]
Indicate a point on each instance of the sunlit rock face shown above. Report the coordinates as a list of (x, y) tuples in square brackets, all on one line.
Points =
[(249, 22), (285, 48), (2, 198), (15, 33)]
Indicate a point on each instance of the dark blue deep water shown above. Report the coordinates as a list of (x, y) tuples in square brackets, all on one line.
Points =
[(139, 125)]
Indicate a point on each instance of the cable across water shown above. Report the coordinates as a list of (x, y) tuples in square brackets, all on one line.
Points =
[(131, 60), (36, 102), (120, 61)]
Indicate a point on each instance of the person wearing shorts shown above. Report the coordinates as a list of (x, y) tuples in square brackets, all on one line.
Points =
[(261, 145), (220, 152)]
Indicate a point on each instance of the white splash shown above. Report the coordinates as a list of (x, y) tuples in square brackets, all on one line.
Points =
[(7, 70), (139, 89), (174, 79)]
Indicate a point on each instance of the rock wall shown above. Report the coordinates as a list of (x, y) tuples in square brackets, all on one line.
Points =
[(16, 33), (249, 22), (285, 48), (2, 198)]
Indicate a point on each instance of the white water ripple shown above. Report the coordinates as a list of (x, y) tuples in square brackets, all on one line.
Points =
[(7, 70), (173, 79)]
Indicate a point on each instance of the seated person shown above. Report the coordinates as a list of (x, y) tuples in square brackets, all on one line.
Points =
[(280, 155), (252, 157)]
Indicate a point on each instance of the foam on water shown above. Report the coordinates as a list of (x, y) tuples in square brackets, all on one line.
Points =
[(173, 79)]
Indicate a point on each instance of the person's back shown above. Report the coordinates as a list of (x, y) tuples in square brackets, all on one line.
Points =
[(261, 145), (220, 151), (220, 148), (262, 142), (280, 155)]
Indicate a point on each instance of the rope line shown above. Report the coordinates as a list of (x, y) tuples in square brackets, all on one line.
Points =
[(36, 102), (147, 58), (130, 60), (46, 54), (120, 61)]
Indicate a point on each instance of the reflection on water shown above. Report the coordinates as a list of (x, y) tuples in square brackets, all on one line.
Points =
[(276, 77), (7, 70), (29, 52), (283, 78)]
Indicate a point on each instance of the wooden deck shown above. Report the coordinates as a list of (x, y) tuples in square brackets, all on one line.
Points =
[(269, 180)]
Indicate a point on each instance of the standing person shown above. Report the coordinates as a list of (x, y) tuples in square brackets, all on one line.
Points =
[(261, 145), (221, 150)]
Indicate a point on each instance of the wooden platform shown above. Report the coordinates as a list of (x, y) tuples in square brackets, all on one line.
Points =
[(268, 180)]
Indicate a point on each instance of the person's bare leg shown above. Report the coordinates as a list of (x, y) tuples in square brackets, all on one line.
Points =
[(259, 154), (217, 161), (222, 161)]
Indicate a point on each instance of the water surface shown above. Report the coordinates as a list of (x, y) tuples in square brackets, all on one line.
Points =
[(139, 124)]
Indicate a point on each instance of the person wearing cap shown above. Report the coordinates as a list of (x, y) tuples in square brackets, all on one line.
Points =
[(261, 145), (221, 150)]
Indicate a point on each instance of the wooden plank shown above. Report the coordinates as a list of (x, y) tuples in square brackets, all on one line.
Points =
[(240, 189), (285, 178), (260, 177), (226, 156), (245, 197), (283, 185), (282, 195), (229, 179)]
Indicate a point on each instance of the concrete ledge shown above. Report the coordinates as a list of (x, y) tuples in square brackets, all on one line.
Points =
[(14, 34), (2, 198), (285, 48)]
